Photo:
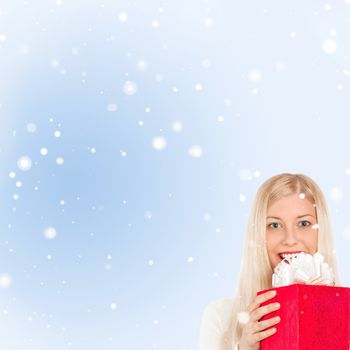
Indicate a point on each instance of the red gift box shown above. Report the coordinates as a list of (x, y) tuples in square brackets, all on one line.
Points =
[(312, 318)]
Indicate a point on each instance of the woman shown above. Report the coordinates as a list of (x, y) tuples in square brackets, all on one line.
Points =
[(289, 214)]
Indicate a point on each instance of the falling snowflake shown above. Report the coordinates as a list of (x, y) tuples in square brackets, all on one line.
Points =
[(5, 280), (243, 317), (59, 161), (159, 143), (148, 215), (44, 151), (123, 17), (195, 151), (129, 88), (24, 163), (177, 126), (31, 128), (50, 232), (329, 46), (255, 75)]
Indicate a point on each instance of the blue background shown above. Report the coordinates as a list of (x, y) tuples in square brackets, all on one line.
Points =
[(146, 237)]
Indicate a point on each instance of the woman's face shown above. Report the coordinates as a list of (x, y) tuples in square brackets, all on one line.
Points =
[(291, 227)]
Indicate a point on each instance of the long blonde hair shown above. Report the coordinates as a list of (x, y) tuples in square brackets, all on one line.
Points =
[(256, 272)]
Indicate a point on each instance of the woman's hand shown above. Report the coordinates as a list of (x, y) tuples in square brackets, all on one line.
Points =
[(255, 331)]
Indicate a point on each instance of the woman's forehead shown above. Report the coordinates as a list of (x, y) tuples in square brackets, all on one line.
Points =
[(292, 204)]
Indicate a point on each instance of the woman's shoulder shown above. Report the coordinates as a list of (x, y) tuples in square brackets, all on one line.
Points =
[(215, 322), (220, 309), (220, 305)]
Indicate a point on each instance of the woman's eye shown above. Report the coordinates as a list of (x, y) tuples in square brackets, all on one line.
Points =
[(305, 223), (274, 225)]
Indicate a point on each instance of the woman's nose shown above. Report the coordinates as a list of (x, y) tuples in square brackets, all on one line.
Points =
[(290, 237)]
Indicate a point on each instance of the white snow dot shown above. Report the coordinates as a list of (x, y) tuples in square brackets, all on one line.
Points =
[(93, 150), (177, 126), (24, 163), (54, 63), (112, 107), (293, 35), (315, 226), (329, 46), (347, 172), (31, 128), (327, 7), (220, 119), (15, 196), (5, 280), (227, 102), (50, 232), (208, 22), (242, 198), (44, 151), (147, 109), (147, 215), (195, 151), (302, 195), (113, 306), (129, 88), (207, 217), (142, 65), (198, 87), (123, 153), (340, 87), (255, 75), (57, 133), (62, 202), (333, 32), (206, 63), (257, 173), (59, 161), (2, 37), (155, 24), (190, 259), (336, 193), (150, 262), (12, 175), (18, 184), (49, 257), (123, 17), (159, 143), (243, 317)]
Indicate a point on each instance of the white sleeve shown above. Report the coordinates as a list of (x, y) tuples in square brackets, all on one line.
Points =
[(212, 330)]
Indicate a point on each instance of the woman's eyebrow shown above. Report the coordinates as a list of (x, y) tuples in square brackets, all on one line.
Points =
[(300, 216)]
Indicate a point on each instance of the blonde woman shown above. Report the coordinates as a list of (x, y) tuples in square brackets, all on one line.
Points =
[(289, 215)]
